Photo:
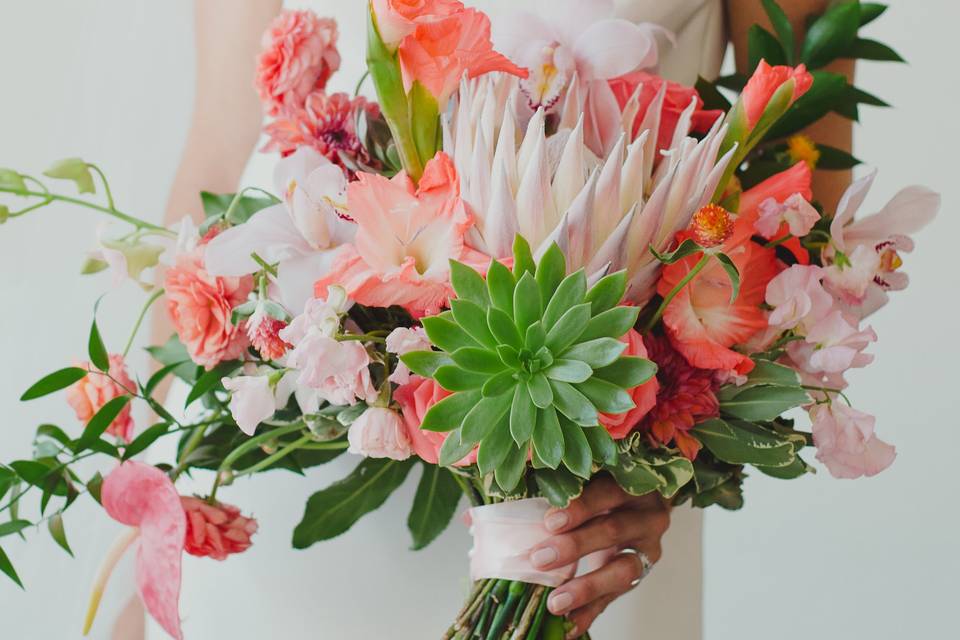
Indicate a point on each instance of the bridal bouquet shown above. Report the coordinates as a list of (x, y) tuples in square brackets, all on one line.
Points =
[(515, 270)]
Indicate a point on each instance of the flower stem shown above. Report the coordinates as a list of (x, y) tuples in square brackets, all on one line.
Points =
[(697, 268), (143, 313), (268, 461), (50, 197), (246, 447), (106, 185), (106, 570)]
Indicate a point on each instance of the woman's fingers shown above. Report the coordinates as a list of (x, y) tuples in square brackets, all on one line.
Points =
[(601, 495), (583, 618), (614, 578)]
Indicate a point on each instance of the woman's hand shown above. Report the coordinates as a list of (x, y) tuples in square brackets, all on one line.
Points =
[(604, 517)]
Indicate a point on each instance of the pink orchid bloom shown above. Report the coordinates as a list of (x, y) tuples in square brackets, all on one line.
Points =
[(251, 401), (142, 496), (405, 240), (795, 213), (798, 298), (865, 255), (404, 340), (846, 442), (833, 345), (766, 81)]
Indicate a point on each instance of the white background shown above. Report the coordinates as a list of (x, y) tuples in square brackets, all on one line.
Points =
[(820, 558)]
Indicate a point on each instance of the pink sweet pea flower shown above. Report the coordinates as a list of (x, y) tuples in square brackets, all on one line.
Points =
[(404, 340), (846, 442), (415, 399), (833, 345), (142, 496), (644, 396), (766, 81), (379, 433), (439, 52), (216, 530), (87, 395), (798, 298), (405, 240), (251, 401), (795, 212), (338, 371), (397, 19)]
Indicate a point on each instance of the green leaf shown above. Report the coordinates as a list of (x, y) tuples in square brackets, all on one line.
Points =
[(612, 323), (484, 416), (712, 98), (216, 207), (527, 307), (479, 360), (577, 455), (424, 120), (733, 443), (830, 35), (98, 352), (334, 510), (568, 329), (454, 378), (597, 353), (172, 352), (607, 293), (687, 248), (832, 158), (548, 437), (425, 363), (766, 372), (94, 485), (865, 49), (159, 376), (569, 371), (473, 319), (454, 449), (509, 356), (503, 328), (145, 439), (7, 567), (536, 337), (469, 284), (495, 445), (449, 413), (765, 402), (606, 397), (635, 479), (523, 415), (602, 444), (59, 534), (573, 404), (558, 486), (791, 471), (728, 495), (434, 505), (826, 93), (447, 335), (571, 291), (499, 384), (100, 421), (732, 272), (781, 24), (74, 169), (550, 272), (500, 285), (210, 381), (13, 526), (762, 45), (54, 382), (510, 471), (627, 372), (523, 261), (540, 391), (870, 11), (676, 472)]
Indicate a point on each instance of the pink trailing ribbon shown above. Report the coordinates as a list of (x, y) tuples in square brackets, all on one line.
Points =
[(504, 534)]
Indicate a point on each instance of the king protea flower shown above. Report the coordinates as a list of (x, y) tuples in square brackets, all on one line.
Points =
[(604, 213)]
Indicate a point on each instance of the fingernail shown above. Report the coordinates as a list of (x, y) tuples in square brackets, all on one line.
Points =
[(543, 557), (559, 603), (573, 634), (556, 520)]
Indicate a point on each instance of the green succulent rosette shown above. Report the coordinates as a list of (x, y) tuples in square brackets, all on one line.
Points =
[(532, 356)]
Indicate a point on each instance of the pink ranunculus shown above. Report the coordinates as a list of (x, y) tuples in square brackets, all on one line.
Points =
[(380, 433), (397, 19), (766, 81), (798, 298), (644, 396), (677, 98), (415, 399), (404, 340), (251, 401), (200, 307), (216, 530), (88, 395), (299, 55), (833, 345), (846, 442), (439, 52), (405, 240), (795, 213)]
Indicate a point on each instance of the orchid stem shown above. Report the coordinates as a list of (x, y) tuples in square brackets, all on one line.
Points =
[(697, 268), (50, 197), (106, 185), (268, 461)]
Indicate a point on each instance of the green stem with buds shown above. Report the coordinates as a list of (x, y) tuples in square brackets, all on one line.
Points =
[(51, 197)]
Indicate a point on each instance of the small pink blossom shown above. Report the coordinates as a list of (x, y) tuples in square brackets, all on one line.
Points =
[(795, 212), (404, 340), (299, 54), (798, 298), (379, 433), (846, 442), (88, 395), (851, 276), (216, 530), (338, 371), (251, 401), (833, 345)]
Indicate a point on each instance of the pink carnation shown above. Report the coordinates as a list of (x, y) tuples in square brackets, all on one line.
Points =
[(299, 55), (643, 396), (200, 307), (88, 395), (415, 399), (216, 530)]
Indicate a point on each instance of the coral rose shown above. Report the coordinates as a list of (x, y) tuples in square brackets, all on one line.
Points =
[(200, 307), (216, 530), (643, 396), (299, 55), (88, 395), (415, 399)]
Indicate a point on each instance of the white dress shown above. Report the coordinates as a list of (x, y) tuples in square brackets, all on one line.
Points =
[(366, 583)]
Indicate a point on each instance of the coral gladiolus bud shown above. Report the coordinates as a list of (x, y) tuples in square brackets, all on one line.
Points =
[(712, 225)]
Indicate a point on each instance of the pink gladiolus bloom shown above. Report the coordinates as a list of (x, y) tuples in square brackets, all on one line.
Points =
[(846, 442), (439, 52), (379, 433), (405, 240), (795, 213), (765, 82), (833, 345), (397, 19), (780, 187), (216, 530), (142, 496), (299, 55), (251, 401), (798, 298), (404, 340), (644, 396), (200, 306), (88, 395), (415, 399)]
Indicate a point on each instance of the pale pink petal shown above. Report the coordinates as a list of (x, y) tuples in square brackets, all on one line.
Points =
[(270, 234), (611, 48), (908, 212)]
